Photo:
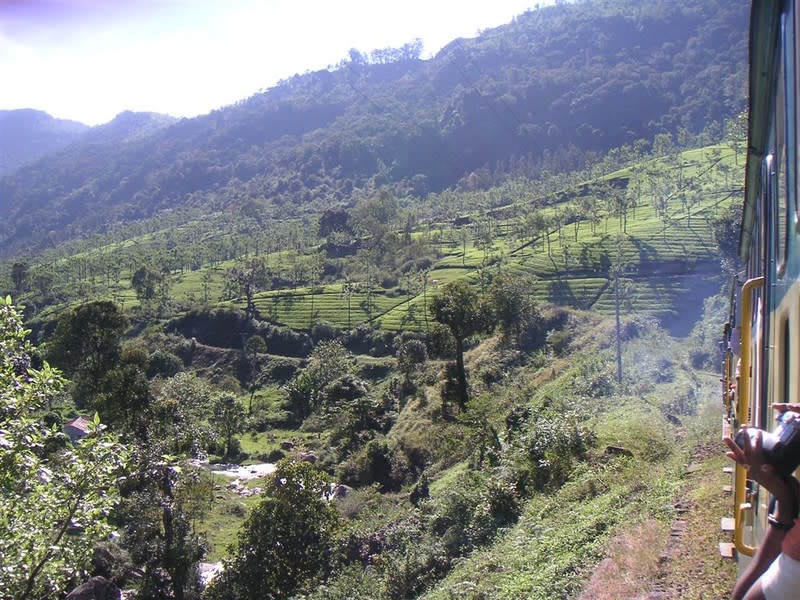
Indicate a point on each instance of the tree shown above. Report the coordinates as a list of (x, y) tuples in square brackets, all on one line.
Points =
[(410, 354), (329, 361), (246, 280), (736, 134), (182, 411), (725, 230), (254, 346), (155, 515), (19, 275), (145, 282), (349, 289), (459, 307), (229, 418), (86, 345), (48, 487), (286, 540), (374, 216), (616, 275), (512, 304)]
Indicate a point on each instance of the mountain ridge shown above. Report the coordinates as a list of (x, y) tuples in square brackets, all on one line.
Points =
[(547, 88)]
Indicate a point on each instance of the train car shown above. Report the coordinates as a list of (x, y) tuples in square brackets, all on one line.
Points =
[(762, 338)]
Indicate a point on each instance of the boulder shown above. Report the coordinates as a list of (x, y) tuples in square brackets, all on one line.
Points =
[(97, 588), (309, 457), (617, 451), (342, 491)]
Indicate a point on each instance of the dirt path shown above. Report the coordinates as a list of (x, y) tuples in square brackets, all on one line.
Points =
[(690, 566)]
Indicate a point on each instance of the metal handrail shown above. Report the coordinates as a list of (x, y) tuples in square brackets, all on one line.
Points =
[(741, 506)]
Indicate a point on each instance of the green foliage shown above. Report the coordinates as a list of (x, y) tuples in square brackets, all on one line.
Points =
[(286, 540), (515, 310), (459, 307), (55, 497), (329, 361), (378, 462), (162, 363), (640, 429), (726, 229), (229, 419), (548, 450), (86, 346), (145, 283), (183, 415), (410, 355), (160, 503)]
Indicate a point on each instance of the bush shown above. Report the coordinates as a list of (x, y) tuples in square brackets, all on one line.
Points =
[(164, 364), (547, 451), (366, 340), (286, 540), (377, 462), (322, 330), (441, 341)]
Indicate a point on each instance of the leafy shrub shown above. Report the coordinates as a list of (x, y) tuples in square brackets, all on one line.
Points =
[(559, 340), (322, 330), (366, 340), (441, 340), (498, 506), (164, 364), (286, 540), (279, 369), (547, 451), (285, 341), (377, 462), (389, 280)]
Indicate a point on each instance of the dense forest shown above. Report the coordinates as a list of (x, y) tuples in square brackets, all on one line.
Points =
[(400, 328)]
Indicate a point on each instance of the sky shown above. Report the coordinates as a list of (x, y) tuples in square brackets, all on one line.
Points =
[(89, 60)]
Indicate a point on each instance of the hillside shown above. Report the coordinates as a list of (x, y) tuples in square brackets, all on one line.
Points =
[(26, 135), (402, 328), (557, 85)]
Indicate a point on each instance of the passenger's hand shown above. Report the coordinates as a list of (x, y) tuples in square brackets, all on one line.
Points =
[(751, 457)]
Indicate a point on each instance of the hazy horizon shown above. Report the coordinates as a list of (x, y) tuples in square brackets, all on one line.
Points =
[(88, 61)]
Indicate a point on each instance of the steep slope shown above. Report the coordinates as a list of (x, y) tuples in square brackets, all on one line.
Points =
[(540, 92)]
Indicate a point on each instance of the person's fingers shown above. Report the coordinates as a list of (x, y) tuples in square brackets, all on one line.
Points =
[(758, 442), (735, 451), (748, 442)]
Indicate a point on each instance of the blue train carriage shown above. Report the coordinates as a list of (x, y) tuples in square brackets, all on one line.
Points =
[(762, 345)]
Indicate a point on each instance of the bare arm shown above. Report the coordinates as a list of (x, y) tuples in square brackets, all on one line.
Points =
[(785, 491)]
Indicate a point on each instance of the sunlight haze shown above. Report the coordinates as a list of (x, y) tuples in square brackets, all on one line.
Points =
[(90, 60)]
